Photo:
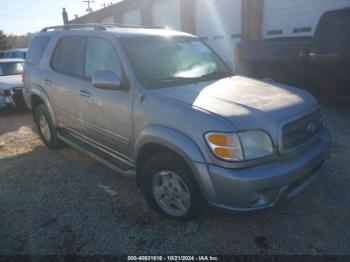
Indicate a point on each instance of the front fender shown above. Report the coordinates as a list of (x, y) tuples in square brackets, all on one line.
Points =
[(184, 147), (40, 92), (171, 139)]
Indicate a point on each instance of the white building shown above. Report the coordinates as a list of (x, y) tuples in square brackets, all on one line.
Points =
[(221, 23)]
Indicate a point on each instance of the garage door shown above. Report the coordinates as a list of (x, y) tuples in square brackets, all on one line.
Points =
[(297, 17), (218, 22), (132, 17), (107, 20), (167, 13)]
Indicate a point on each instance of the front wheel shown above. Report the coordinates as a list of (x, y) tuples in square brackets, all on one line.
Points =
[(170, 188)]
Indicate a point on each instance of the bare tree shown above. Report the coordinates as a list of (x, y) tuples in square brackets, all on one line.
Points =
[(21, 41), (4, 41)]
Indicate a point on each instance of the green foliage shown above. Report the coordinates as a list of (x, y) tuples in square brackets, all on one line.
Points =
[(4, 42)]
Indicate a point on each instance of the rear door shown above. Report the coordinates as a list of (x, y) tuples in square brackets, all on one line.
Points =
[(66, 80), (329, 58)]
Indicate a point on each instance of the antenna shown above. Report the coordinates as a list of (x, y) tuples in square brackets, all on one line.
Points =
[(89, 9)]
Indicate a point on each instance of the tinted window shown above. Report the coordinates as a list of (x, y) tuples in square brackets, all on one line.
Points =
[(101, 55), (333, 35), (36, 49), (68, 57)]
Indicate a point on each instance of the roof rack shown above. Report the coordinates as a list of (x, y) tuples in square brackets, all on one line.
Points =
[(95, 26), (74, 26), (111, 25)]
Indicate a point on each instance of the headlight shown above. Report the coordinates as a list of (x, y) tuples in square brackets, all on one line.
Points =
[(256, 144), (240, 146)]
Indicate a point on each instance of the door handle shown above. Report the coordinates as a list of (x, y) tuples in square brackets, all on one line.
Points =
[(85, 93), (47, 82)]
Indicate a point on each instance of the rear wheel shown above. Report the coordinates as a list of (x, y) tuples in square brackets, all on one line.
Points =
[(170, 188), (46, 128)]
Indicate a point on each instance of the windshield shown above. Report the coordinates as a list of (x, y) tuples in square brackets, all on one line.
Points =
[(162, 62), (11, 68)]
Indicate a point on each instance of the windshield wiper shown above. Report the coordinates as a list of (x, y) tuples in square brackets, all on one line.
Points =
[(210, 76), (215, 75), (171, 79)]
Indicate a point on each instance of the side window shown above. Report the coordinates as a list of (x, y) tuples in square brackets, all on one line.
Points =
[(101, 55), (36, 49), (333, 35), (68, 57)]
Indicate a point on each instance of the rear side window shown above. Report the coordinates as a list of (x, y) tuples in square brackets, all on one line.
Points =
[(68, 57), (36, 49)]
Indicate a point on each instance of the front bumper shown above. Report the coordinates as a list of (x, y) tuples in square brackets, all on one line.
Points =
[(13, 100), (5, 101), (264, 186)]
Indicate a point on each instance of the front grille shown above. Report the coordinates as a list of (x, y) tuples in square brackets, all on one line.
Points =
[(7, 92), (300, 131)]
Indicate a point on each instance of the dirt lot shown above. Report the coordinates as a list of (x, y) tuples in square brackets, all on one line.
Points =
[(62, 202)]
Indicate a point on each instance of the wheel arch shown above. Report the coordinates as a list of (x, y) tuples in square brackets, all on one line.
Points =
[(154, 139), (39, 97)]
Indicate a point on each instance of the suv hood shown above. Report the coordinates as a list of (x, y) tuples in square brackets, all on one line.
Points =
[(8, 82), (245, 102)]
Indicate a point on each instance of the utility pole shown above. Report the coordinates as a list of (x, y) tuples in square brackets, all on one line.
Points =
[(89, 9), (64, 16)]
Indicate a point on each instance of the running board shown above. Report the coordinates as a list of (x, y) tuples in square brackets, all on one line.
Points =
[(103, 156)]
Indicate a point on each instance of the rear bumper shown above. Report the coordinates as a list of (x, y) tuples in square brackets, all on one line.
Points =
[(264, 186)]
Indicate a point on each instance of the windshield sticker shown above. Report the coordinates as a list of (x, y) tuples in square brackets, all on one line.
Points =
[(201, 47)]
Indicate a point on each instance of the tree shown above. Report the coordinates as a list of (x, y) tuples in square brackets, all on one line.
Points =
[(4, 43), (19, 41)]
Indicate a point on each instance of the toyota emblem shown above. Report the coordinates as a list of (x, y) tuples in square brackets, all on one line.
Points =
[(311, 128)]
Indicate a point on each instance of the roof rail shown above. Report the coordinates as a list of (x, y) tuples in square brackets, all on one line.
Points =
[(96, 26), (111, 25), (74, 26), (132, 26)]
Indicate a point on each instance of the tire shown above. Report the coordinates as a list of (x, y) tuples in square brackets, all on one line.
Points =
[(162, 174), (47, 132)]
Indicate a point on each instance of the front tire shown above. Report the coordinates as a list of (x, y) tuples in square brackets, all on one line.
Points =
[(170, 187), (47, 130)]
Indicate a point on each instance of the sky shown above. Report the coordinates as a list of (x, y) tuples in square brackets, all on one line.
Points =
[(20, 17)]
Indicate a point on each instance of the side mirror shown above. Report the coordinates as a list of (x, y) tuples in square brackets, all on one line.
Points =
[(107, 79)]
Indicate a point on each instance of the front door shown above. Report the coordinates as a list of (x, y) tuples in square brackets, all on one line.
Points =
[(109, 117)]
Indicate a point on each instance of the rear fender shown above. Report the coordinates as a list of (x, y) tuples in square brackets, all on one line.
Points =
[(40, 92)]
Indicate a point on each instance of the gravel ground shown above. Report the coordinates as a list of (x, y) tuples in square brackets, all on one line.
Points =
[(62, 202)]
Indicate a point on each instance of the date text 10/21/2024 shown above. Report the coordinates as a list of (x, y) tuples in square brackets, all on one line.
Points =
[(173, 258)]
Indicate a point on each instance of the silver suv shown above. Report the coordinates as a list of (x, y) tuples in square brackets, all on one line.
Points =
[(162, 106)]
